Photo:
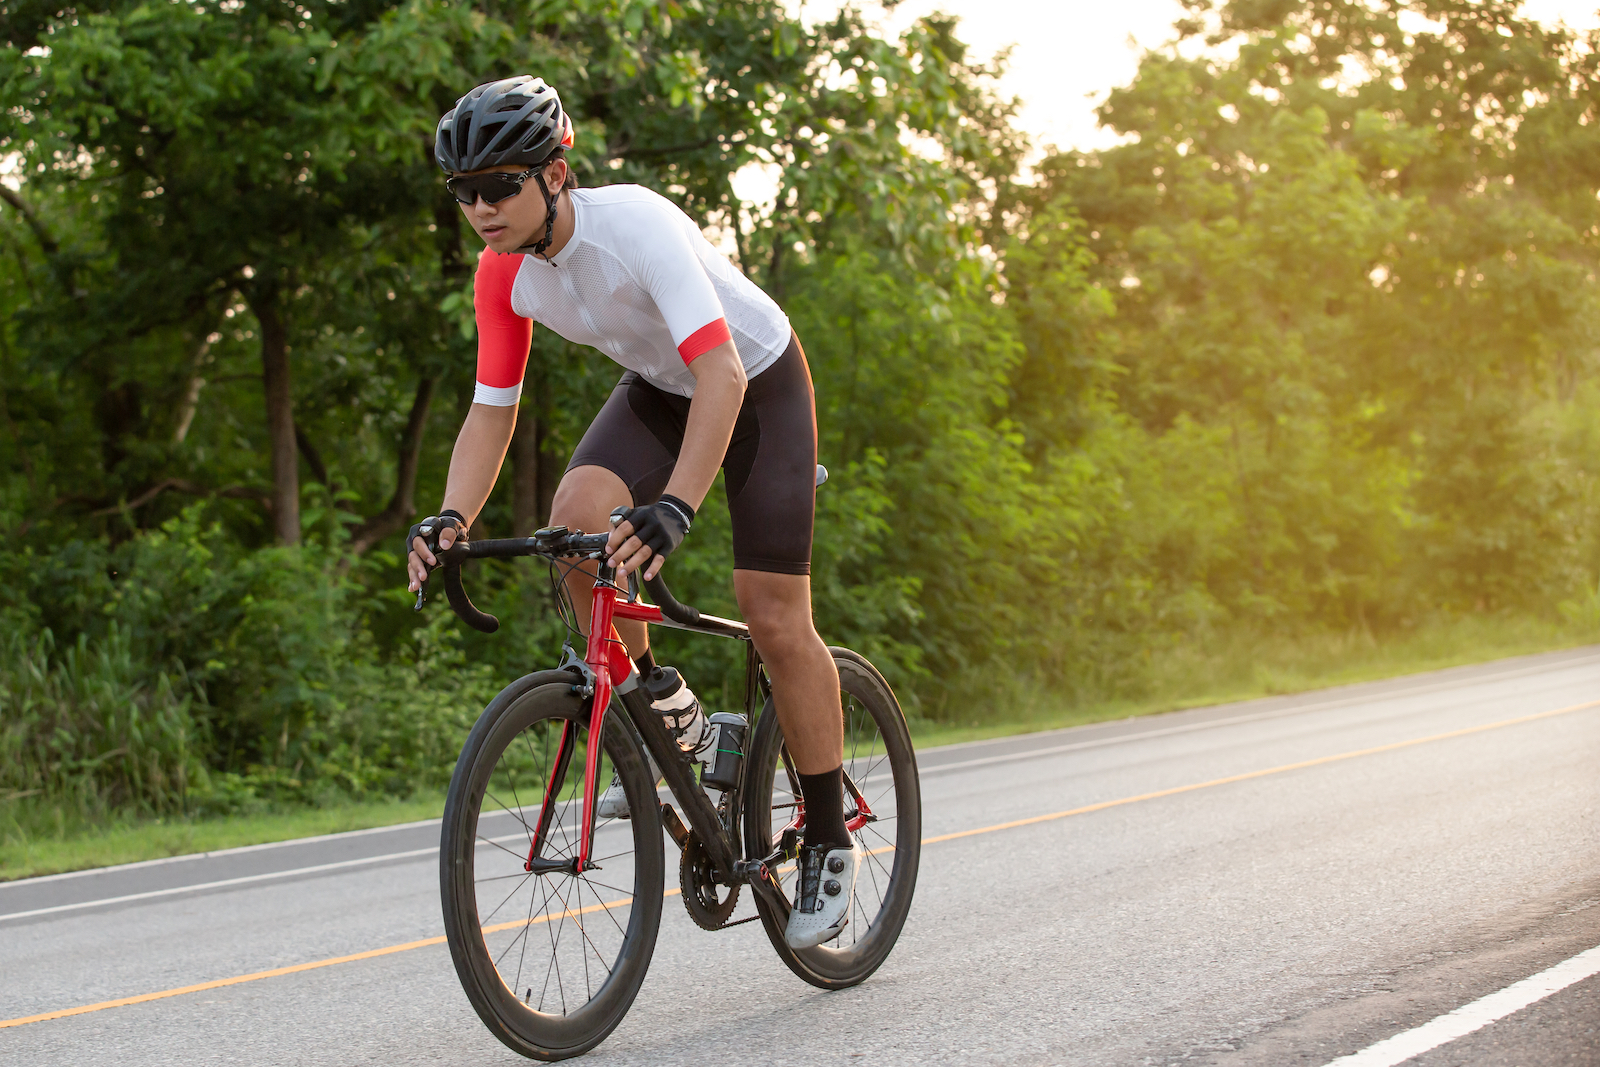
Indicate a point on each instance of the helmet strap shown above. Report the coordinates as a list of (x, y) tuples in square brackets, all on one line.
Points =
[(549, 214)]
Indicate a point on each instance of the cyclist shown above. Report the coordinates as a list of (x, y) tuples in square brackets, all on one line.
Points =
[(715, 377)]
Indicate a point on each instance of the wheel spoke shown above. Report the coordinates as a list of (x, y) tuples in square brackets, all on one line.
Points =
[(579, 956), (503, 877), (502, 848), (874, 858), (515, 813), (483, 920), (873, 875), (593, 882), (876, 833), (609, 909)]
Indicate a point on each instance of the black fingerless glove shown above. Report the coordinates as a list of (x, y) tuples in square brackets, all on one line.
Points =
[(661, 525), (430, 528)]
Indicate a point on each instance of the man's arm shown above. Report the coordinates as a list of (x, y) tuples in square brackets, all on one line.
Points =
[(719, 385), (474, 466), (718, 394)]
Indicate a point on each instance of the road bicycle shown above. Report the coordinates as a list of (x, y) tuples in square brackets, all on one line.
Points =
[(551, 914)]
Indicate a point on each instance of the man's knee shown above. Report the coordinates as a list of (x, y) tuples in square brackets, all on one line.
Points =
[(568, 508), (781, 631), (585, 496)]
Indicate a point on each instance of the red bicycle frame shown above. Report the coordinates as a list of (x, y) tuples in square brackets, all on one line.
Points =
[(609, 663), (608, 658)]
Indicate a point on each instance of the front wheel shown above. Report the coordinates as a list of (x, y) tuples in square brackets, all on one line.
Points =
[(551, 961), (879, 760)]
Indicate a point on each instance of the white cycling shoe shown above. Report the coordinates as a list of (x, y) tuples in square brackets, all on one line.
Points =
[(613, 803), (827, 886)]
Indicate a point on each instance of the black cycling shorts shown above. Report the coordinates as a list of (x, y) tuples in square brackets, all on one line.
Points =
[(770, 470)]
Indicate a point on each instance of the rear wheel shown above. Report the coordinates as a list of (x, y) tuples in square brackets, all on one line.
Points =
[(551, 962), (879, 760)]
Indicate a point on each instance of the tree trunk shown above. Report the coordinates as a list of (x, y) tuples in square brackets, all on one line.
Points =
[(280, 414), (313, 458), (189, 403), (552, 466), (187, 408), (525, 514), (402, 504), (535, 473), (119, 412)]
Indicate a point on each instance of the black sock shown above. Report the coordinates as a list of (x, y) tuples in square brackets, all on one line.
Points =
[(824, 797), (646, 662)]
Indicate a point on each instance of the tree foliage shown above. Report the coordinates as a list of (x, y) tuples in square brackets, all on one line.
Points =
[(1311, 347)]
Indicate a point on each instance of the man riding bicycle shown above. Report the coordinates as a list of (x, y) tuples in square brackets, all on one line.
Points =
[(715, 378)]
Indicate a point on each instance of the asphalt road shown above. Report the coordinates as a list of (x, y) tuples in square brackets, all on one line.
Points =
[(1289, 917)]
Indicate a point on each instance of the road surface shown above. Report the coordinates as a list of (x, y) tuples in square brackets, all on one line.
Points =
[(1284, 881)]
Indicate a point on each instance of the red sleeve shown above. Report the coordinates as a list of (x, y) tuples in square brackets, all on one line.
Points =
[(704, 340), (503, 336)]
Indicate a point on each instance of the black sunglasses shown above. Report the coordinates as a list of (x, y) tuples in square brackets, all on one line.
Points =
[(492, 187)]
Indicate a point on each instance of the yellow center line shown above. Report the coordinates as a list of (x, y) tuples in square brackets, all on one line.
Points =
[(1103, 805), (1086, 809), (276, 972)]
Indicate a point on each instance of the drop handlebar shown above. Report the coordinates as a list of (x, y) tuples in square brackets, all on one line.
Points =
[(554, 543)]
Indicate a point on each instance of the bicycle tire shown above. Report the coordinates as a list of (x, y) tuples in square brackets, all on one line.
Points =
[(537, 708), (856, 954)]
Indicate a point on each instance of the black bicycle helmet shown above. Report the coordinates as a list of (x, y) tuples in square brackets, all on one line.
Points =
[(514, 120)]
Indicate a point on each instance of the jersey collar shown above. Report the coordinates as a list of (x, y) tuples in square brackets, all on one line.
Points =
[(560, 258)]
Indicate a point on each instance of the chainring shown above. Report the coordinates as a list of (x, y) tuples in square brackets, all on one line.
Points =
[(702, 896)]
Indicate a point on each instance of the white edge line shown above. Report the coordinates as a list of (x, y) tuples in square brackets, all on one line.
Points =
[(236, 851), (1475, 1016), (1293, 709), (266, 876), (201, 887)]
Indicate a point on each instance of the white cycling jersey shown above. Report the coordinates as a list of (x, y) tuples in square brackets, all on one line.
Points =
[(638, 281)]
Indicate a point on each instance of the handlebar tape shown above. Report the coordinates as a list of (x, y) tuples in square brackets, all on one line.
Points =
[(460, 603), (680, 613)]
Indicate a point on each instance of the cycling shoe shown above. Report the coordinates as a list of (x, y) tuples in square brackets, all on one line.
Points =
[(613, 803), (827, 885)]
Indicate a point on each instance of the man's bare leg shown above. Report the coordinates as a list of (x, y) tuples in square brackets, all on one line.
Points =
[(584, 501), (805, 682), (805, 690)]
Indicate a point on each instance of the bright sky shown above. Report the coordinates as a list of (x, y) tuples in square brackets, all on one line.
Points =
[(1066, 54)]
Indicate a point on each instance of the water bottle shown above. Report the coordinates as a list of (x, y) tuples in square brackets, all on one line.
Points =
[(726, 751), (671, 696)]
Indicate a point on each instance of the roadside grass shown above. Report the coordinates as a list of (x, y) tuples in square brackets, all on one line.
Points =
[(26, 850), (1236, 666), (1225, 668)]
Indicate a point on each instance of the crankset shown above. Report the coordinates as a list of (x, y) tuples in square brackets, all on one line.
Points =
[(707, 903)]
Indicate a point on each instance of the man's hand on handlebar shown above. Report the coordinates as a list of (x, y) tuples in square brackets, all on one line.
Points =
[(432, 535), (645, 536)]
